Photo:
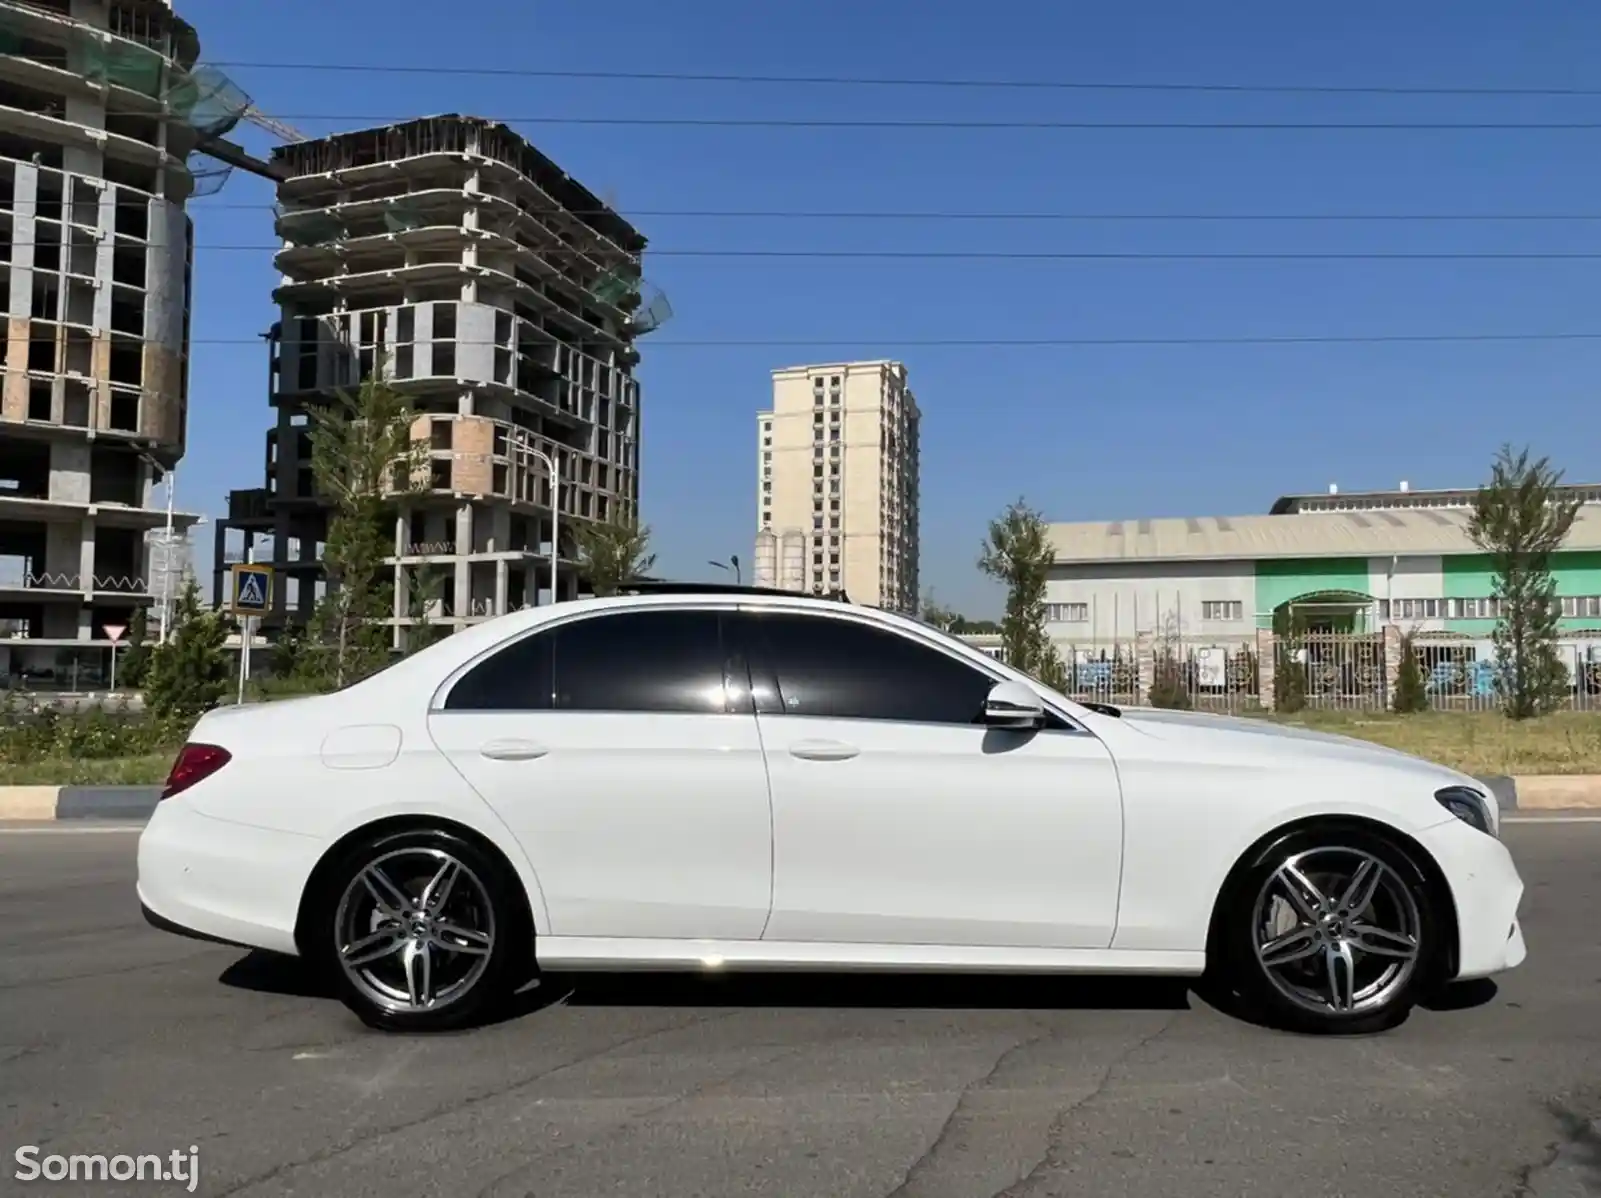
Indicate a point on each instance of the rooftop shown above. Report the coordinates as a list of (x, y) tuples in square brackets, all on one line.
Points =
[(1404, 531)]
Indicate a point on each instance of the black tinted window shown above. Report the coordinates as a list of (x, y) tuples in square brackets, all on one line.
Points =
[(661, 661), (517, 678), (845, 670)]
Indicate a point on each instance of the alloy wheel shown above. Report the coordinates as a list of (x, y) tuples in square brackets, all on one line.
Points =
[(415, 930), (1337, 931)]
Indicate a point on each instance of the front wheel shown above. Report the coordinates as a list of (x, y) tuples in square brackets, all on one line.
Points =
[(418, 932), (1332, 931)]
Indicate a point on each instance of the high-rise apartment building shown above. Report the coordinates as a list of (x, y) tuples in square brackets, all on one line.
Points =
[(97, 125), (503, 298), (837, 484)]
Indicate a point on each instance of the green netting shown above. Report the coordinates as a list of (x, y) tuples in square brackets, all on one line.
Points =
[(207, 99), (402, 214), (124, 64), (317, 228), (209, 175), (656, 313), (613, 285)]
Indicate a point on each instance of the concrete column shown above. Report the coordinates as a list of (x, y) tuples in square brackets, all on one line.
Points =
[(502, 585), (1266, 660), (86, 558), (464, 544), (1392, 659)]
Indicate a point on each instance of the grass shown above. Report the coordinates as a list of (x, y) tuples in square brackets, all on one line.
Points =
[(1479, 743), (149, 769), (1474, 742)]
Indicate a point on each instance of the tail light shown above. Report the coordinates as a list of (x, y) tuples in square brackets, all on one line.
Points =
[(195, 764)]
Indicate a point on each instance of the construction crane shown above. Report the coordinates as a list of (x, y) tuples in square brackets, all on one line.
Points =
[(273, 125)]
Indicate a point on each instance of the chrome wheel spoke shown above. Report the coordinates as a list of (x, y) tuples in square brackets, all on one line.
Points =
[(437, 893), (419, 963), (382, 943), (1309, 901), (1382, 942), (1342, 976), (1296, 945), (1364, 885), (462, 940), (391, 900)]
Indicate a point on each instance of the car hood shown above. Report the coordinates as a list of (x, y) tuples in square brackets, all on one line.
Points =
[(1239, 735)]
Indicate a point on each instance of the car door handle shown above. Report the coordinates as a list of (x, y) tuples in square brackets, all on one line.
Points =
[(513, 750), (823, 750)]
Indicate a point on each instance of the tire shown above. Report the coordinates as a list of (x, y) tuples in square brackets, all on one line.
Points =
[(1331, 930), (403, 965)]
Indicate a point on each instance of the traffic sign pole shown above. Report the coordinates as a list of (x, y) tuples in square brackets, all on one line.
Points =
[(114, 635)]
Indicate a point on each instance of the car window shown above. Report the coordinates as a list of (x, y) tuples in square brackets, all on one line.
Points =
[(649, 661), (818, 666)]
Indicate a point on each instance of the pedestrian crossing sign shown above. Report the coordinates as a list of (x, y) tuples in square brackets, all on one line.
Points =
[(251, 590)]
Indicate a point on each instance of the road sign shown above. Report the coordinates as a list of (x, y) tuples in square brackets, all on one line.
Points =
[(251, 591), (114, 632)]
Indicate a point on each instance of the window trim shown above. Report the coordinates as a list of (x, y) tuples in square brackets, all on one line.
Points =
[(735, 663)]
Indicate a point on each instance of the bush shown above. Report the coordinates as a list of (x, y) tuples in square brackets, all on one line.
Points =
[(189, 675), (1168, 687), (1411, 694), (29, 735)]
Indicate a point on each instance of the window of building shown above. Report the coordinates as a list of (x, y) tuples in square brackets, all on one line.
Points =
[(1067, 613), (1222, 609)]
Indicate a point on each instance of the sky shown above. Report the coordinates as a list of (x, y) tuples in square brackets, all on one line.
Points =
[(1082, 432)]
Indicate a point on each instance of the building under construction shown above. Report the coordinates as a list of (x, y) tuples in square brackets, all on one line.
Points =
[(504, 299), (102, 110)]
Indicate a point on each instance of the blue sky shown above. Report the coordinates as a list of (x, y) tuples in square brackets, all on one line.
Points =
[(1083, 432)]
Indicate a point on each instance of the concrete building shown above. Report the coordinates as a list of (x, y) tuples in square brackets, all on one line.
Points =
[(96, 276), (505, 299), (1341, 562), (837, 484)]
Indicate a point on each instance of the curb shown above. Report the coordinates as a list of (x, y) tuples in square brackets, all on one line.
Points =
[(77, 802), (1527, 792)]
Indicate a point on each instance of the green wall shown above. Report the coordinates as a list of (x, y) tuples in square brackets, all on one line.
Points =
[(1278, 580), (1472, 576)]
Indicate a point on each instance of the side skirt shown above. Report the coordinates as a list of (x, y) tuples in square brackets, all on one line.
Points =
[(608, 953)]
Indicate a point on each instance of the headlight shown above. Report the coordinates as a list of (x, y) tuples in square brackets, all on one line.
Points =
[(1469, 806)]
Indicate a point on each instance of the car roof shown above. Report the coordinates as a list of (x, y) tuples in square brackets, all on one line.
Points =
[(442, 657)]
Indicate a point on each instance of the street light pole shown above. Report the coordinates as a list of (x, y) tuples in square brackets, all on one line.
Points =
[(555, 514), (732, 566), (166, 559)]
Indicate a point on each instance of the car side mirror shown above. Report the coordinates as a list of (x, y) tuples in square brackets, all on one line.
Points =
[(1013, 705)]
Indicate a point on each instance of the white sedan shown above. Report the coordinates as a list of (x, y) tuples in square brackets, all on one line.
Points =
[(723, 778)]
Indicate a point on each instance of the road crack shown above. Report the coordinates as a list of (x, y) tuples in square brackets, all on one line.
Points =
[(333, 1151), (1052, 1158), (925, 1162)]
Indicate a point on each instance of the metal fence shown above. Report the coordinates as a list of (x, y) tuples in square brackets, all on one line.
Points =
[(1316, 671)]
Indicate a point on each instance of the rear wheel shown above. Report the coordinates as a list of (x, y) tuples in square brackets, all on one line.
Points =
[(1332, 931), (419, 932)]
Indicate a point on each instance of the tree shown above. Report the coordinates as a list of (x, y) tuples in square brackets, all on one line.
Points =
[(1411, 693), (1017, 553), (932, 612), (364, 460), (189, 674), (1520, 518), (613, 553), (1169, 677), (1289, 671), (133, 663)]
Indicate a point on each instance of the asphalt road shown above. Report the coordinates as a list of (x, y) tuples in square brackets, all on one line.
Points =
[(115, 1038)]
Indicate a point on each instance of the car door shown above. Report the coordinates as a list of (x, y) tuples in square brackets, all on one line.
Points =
[(898, 818), (621, 750)]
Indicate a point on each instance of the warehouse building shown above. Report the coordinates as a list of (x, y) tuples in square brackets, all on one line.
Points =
[(1340, 562)]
